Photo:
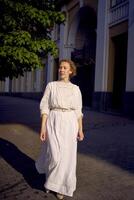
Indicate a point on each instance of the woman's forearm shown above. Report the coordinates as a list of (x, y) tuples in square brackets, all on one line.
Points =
[(80, 131), (80, 123), (43, 122)]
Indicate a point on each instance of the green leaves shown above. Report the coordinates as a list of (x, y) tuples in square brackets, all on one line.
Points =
[(17, 38), (29, 14), (25, 28), (21, 55)]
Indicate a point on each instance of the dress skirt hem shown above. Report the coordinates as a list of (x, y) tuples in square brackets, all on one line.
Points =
[(59, 189)]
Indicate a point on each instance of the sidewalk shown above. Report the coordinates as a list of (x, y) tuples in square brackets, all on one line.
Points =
[(105, 168)]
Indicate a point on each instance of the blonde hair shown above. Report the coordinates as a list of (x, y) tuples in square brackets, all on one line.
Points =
[(72, 66)]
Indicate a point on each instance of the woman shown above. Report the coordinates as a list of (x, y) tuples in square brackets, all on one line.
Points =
[(61, 127)]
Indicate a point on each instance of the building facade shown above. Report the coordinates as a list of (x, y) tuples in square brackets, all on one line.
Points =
[(30, 85), (98, 36)]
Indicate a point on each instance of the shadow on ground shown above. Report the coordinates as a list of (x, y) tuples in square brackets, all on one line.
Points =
[(113, 145), (20, 111), (22, 163)]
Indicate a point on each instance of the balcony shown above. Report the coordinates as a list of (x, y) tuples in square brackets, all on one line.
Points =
[(118, 12)]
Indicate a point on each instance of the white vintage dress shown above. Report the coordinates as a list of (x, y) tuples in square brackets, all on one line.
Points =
[(62, 102)]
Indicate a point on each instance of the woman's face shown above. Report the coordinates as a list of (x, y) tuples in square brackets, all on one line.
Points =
[(64, 70)]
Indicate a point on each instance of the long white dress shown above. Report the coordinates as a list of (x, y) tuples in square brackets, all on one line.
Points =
[(62, 102)]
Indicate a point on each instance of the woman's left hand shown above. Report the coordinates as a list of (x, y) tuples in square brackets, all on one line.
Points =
[(80, 136)]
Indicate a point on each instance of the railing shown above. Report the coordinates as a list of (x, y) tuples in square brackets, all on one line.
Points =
[(118, 12), (116, 2)]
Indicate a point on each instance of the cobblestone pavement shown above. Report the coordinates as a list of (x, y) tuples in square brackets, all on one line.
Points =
[(105, 167)]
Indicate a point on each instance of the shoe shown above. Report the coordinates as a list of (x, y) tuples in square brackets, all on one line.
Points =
[(60, 196), (47, 191)]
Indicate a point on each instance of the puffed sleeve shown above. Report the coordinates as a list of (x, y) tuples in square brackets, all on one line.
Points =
[(78, 103), (45, 101)]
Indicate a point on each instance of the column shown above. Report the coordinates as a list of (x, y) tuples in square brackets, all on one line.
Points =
[(38, 80), (29, 81), (101, 67), (7, 85), (49, 69), (63, 37), (130, 55), (129, 94)]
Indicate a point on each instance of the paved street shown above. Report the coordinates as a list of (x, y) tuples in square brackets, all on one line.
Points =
[(105, 167)]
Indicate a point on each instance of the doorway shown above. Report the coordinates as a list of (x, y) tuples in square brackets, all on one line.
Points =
[(84, 53), (120, 62)]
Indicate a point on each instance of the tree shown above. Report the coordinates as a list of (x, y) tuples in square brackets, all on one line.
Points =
[(25, 27)]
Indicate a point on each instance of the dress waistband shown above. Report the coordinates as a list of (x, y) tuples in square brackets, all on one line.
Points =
[(62, 109)]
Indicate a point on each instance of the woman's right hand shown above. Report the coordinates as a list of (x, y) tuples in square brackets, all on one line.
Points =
[(43, 130), (43, 136)]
